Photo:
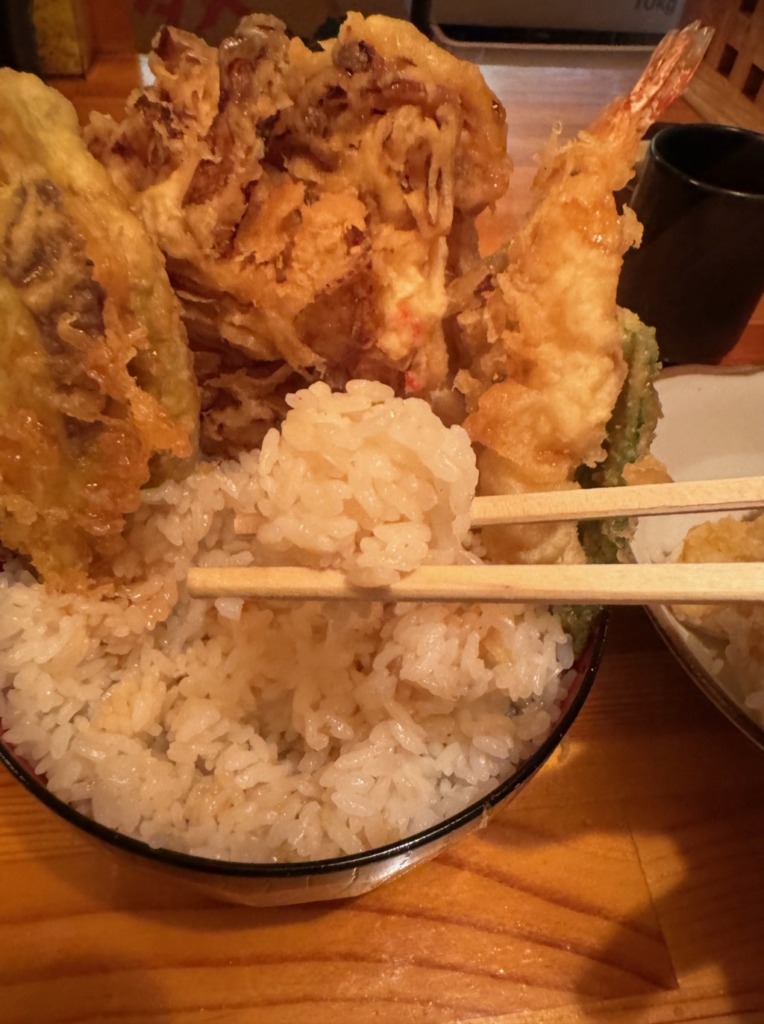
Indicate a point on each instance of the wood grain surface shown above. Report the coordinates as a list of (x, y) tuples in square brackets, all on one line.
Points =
[(624, 884)]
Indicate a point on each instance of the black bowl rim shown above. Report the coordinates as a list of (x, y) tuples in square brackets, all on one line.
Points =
[(192, 863), (703, 128)]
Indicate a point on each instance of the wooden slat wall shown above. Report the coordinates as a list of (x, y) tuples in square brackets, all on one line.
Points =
[(719, 89)]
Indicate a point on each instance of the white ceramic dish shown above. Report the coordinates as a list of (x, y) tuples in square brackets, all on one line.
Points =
[(712, 428)]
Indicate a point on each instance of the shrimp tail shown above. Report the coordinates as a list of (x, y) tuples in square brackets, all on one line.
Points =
[(668, 71)]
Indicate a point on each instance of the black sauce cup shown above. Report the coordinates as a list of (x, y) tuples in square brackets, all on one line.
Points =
[(699, 271)]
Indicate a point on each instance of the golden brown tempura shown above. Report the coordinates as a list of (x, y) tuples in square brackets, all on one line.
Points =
[(732, 633), (312, 206), (723, 540), (97, 389), (317, 214), (546, 343)]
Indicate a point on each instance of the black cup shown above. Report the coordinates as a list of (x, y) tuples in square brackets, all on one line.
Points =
[(699, 272)]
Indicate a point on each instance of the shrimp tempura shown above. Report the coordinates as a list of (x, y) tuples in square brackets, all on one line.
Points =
[(552, 332)]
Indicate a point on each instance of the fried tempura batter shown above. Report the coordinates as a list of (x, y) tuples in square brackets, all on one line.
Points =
[(546, 344), (312, 205), (97, 389)]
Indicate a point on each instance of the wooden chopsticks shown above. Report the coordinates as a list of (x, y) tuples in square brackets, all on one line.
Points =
[(571, 584), (692, 583), (608, 502), (604, 502)]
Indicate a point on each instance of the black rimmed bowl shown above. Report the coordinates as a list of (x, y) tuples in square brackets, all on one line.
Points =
[(281, 884)]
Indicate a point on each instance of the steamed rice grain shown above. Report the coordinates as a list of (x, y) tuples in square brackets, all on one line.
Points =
[(287, 731)]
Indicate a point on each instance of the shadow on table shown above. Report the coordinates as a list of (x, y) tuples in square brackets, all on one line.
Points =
[(88, 935), (661, 875)]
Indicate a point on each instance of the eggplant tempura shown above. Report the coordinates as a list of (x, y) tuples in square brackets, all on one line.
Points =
[(97, 389), (312, 206)]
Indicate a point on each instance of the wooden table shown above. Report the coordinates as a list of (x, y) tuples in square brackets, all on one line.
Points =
[(624, 884)]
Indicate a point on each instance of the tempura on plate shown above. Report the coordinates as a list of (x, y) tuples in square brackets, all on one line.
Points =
[(732, 633), (96, 389)]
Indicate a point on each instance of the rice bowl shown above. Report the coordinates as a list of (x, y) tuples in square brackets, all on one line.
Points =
[(285, 732), (359, 370), (281, 884)]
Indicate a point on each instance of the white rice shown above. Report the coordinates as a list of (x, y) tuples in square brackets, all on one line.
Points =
[(285, 731)]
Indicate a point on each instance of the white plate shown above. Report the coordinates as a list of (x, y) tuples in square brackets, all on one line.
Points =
[(712, 428)]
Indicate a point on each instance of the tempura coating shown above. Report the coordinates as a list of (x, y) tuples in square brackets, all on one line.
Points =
[(96, 383), (545, 343), (312, 205), (733, 632)]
